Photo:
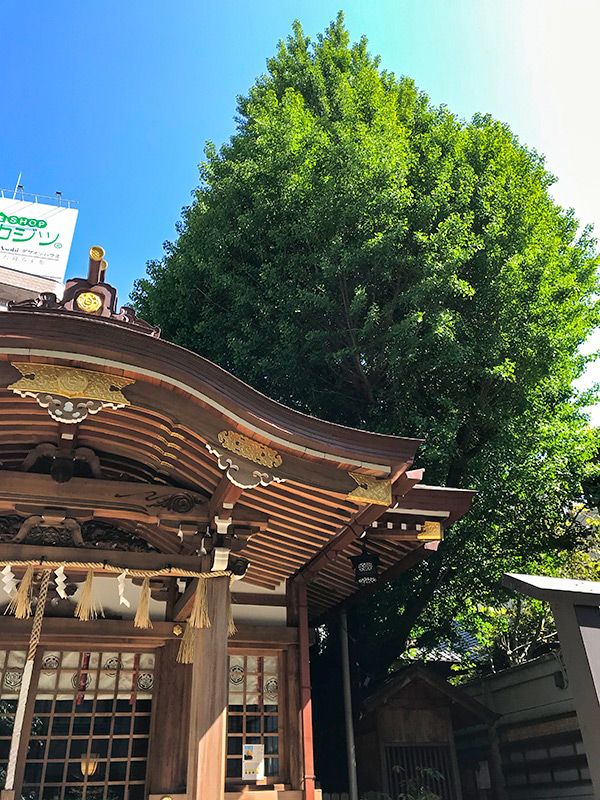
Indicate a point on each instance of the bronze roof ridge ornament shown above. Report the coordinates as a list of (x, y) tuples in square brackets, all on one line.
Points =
[(88, 297)]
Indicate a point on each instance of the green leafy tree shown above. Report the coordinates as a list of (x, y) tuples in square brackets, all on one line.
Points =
[(361, 255), (522, 628)]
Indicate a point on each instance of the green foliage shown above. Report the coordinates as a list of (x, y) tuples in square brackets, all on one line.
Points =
[(419, 787), (365, 257), (518, 630)]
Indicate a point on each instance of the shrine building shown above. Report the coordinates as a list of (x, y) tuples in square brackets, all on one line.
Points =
[(168, 538)]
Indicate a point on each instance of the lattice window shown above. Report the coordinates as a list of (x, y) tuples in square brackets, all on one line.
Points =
[(89, 735), (409, 762), (253, 716)]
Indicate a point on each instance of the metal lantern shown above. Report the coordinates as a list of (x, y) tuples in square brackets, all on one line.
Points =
[(366, 567)]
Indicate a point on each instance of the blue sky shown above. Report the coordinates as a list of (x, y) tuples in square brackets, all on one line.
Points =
[(111, 102)]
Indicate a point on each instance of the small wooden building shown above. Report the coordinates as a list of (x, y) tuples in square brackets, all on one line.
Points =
[(407, 728), (138, 477)]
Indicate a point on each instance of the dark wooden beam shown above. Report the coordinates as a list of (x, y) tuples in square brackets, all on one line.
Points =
[(74, 634), (397, 535), (89, 498), (256, 599), (267, 636), (183, 606), (77, 635), (422, 499), (226, 494), (115, 558)]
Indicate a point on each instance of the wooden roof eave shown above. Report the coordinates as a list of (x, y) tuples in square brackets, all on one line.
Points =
[(99, 344), (477, 712)]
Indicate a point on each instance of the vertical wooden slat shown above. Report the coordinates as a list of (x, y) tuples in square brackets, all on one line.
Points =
[(411, 759)]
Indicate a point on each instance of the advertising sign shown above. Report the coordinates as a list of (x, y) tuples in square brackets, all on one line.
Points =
[(36, 238), (253, 768)]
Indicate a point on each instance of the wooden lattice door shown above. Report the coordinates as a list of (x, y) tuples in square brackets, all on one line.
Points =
[(90, 723)]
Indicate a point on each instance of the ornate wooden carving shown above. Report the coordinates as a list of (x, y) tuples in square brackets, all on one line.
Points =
[(91, 534), (47, 450), (70, 393)]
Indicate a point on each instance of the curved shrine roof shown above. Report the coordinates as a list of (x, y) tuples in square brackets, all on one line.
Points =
[(300, 491)]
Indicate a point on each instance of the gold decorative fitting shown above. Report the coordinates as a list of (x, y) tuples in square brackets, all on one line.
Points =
[(89, 302), (56, 388), (177, 630), (96, 253), (248, 448), (371, 489), (431, 532), (240, 473)]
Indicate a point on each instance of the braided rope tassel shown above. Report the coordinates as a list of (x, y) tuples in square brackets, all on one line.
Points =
[(231, 629), (87, 608), (199, 617), (142, 615), (185, 654), (20, 604)]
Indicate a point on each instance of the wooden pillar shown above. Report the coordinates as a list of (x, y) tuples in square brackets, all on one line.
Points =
[(293, 718), (169, 730), (208, 717), (293, 710), (305, 694)]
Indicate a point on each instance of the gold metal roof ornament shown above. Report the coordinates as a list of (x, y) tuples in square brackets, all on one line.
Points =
[(250, 449), (371, 489), (431, 531), (240, 471), (89, 302), (70, 394)]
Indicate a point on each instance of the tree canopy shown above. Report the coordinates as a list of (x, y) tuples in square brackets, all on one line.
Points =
[(363, 256)]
